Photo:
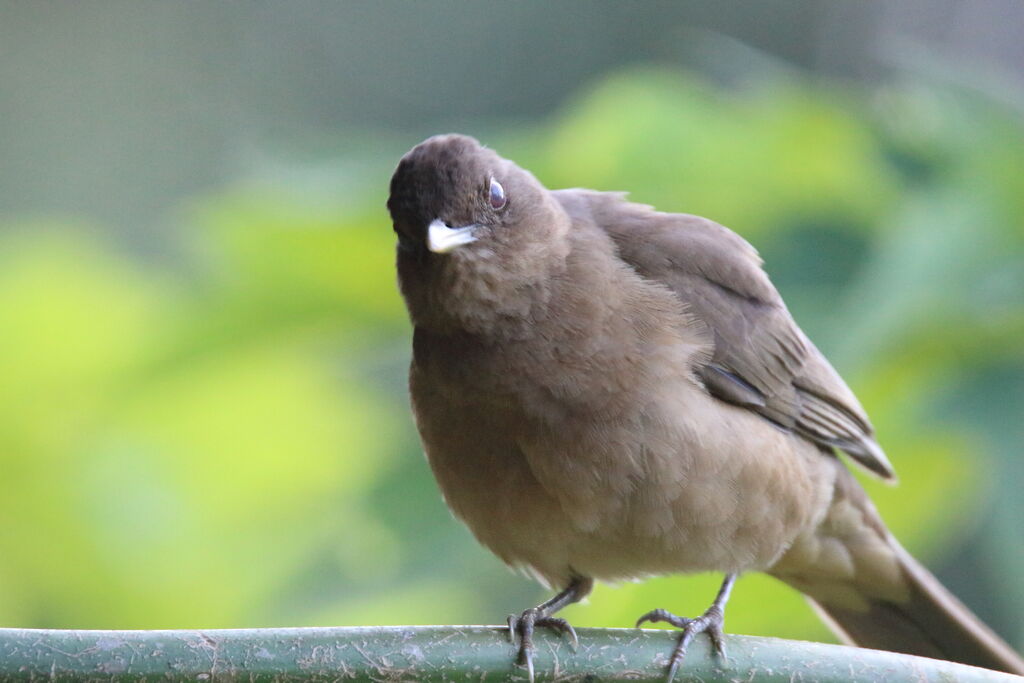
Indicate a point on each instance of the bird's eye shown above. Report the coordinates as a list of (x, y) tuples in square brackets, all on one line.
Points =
[(497, 195)]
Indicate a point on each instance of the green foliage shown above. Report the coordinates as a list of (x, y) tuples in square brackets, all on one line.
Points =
[(227, 443)]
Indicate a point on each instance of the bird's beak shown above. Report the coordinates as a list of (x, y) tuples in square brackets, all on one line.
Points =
[(441, 239)]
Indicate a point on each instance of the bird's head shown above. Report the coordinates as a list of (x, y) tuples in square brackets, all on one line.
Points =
[(475, 231)]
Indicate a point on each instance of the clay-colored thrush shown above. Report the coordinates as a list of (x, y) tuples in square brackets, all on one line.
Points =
[(609, 392)]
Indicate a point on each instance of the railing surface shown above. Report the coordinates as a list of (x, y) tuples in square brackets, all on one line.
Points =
[(440, 653)]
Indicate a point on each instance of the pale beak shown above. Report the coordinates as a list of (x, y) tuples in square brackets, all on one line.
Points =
[(441, 239)]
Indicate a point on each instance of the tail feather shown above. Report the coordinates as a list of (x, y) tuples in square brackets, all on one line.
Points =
[(874, 594), (931, 622)]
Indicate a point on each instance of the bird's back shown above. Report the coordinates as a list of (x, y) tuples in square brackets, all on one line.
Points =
[(761, 360)]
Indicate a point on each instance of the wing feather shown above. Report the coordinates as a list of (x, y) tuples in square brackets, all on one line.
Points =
[(762, 360)]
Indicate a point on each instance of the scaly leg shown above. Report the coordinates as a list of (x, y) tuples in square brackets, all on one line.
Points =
[(523, 624), (711, 622)]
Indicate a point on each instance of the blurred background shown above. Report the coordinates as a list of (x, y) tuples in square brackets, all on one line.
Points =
[(203, 409)]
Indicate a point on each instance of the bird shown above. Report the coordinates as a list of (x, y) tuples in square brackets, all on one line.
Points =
[(606, 392)]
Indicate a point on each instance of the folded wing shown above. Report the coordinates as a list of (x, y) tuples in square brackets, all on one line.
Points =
[(762, 361)]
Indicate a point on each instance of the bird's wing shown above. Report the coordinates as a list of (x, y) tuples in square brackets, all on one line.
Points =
[(762, 360)]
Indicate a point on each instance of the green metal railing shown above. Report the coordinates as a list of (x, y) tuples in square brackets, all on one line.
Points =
[(440, 653)]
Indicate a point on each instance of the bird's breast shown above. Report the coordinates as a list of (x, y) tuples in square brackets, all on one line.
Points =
[(596, 476), (589, 447)]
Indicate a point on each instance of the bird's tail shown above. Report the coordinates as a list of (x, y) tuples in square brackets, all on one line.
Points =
[(874, 594), (931, 622)]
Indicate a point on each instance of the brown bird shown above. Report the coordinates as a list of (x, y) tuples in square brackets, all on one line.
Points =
[(609, 392)]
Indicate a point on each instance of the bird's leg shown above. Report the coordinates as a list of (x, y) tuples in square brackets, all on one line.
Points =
[(522, 625), (711, 622)]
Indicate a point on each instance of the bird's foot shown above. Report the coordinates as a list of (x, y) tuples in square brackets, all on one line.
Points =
[(522, 627), (711, 622)]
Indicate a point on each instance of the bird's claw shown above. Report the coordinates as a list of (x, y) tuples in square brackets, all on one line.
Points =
[(656, 615), (711, 622), (523, 625)]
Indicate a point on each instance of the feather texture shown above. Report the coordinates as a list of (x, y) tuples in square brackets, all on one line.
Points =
[(762, 361)]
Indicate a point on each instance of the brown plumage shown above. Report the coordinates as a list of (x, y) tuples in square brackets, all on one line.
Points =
[(605, 392)]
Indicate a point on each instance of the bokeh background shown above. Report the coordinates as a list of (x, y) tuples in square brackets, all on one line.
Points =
[(203, 412)]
